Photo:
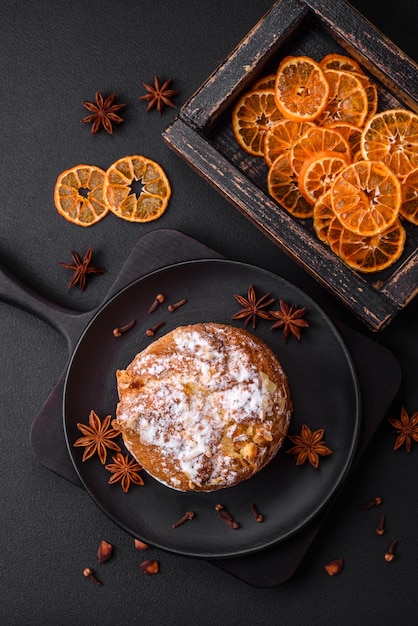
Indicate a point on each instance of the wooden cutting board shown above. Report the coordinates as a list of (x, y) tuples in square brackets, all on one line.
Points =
[(377, 370)]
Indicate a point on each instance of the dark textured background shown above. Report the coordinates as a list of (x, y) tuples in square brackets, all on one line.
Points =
[(53, 56)]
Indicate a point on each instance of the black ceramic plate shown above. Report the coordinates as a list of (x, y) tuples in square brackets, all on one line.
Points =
[(324, 391)]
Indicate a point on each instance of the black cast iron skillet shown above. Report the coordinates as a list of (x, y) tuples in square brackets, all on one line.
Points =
[(324, 391)]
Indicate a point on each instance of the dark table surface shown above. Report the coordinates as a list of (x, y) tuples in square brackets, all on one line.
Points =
[(54, 56)]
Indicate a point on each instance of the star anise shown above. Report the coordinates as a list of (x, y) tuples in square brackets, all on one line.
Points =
[(104, 113), (158, 95), (81, 267), (252, 308), (290, 319), (309, 446), (407, 429), (125, 471), (98, 437)]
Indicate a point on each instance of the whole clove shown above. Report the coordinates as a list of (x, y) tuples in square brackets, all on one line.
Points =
[(88, 573), (258, 517), (188, 516), (380, 528), (390, 553), (150, 332), (159, 299), (119, 331), (176, 305), (226, 517), (375, 502)]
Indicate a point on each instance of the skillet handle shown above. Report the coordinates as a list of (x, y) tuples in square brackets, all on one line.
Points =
[(68, 322)]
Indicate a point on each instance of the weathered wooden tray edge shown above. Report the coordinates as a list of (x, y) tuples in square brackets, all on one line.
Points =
[(186, 136), (373, 308), (359, 37)]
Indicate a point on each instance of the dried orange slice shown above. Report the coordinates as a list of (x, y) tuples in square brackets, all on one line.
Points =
[(79, 197), (317, 174), (281, 137), (282, 184), (136, 189), (323, 215), (347, 100), (392, 138), (351, 133), (367, 254), (316, 140), (346, 64), (265, 82), (372, 96), (409, 206), (301, 88), (335, 61), (253, 115), (366, 197)]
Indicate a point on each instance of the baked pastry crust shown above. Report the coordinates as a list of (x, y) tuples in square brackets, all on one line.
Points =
[(203, 407)]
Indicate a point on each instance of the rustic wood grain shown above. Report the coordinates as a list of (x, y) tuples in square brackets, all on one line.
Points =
[(205, 106), (402, 287), (202, 134)]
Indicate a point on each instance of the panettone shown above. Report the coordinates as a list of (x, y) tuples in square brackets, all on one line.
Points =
[(203, 407)]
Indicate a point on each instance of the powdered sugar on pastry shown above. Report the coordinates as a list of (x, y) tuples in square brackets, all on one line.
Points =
[(203, 407)]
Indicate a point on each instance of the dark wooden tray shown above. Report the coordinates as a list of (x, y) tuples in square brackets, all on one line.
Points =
[(202, 135)]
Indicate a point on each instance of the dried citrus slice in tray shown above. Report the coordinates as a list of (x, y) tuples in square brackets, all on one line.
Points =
[(281, 137), (316, 140), (79, 196), (366, 197), (332, 158), (323, 215), (318, 173), (392, 138), (252, 117), (282, 183), (409, 206), (351, 133), (265, 82), (367, 254), (301, 88), (372, 96), (347, 101), (136, 189), (335, 61), (341, 62)]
